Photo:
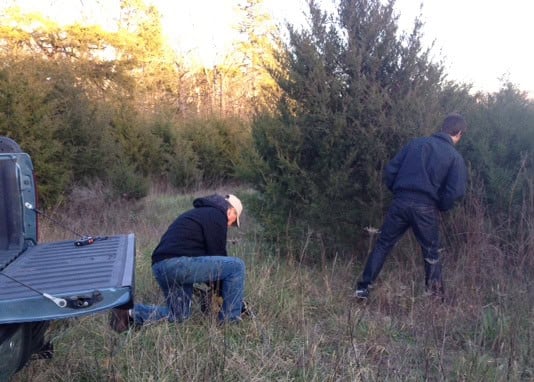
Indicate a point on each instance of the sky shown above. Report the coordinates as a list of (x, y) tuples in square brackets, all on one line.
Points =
[(481, 42)]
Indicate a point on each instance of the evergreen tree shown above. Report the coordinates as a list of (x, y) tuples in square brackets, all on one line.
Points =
[(355, 91), (499, 146)]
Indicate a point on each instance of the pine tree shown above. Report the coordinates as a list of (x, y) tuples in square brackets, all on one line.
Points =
[(354, 91)]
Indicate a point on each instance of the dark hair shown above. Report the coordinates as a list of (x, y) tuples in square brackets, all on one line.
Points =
[(453, 124)]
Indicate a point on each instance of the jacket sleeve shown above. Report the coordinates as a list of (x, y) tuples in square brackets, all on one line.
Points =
[(455, 185), (392, 168)]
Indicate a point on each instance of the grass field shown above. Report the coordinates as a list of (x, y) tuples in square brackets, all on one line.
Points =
[(307, 327)]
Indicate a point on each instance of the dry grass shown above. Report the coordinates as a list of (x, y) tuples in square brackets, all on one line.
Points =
[(308, 328)]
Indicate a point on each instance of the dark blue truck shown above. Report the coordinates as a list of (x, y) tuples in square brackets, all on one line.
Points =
[(51, 281)]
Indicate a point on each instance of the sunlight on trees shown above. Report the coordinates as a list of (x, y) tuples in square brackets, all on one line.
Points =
[(136, 47), (327, 105), (122, 91)]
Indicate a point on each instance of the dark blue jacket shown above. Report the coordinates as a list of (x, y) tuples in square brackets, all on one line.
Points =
[(428, 170), (201, 231)]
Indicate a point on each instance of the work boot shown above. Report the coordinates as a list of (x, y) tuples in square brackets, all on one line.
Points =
[(361, 294), (120, 320)]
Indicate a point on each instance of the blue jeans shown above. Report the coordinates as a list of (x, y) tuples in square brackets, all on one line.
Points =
[(424, 221), (176, 277)]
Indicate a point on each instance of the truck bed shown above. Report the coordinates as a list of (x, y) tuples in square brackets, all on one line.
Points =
[(91, 278)]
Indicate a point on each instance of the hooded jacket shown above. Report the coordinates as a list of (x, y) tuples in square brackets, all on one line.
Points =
[(428, 170), (201, 231)]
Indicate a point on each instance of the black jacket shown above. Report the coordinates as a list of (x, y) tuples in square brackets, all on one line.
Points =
[(429, 170), (201, 231)]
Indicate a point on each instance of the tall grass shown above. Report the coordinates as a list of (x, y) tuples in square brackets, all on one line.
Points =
[(307, 326)]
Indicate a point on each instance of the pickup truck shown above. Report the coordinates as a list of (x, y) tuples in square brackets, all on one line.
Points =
[(41, 282)]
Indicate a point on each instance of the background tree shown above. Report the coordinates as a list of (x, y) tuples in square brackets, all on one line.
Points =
[(258, 48), (499, 146), (28, 101)]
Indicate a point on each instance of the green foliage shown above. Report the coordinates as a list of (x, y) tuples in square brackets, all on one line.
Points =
[(97, 112), (498, 145), (184, 172), (218, 145), (175, 159), (355, 92), (29, 106), (70, 137), (82, 100), (126, 182)]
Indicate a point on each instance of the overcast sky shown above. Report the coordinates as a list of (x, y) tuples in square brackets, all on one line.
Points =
[(481, 40)]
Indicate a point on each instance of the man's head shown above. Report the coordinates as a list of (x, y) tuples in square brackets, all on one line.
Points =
[(454, 125), (235, 209)]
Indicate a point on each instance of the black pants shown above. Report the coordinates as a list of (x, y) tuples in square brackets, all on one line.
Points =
[(424, 221)]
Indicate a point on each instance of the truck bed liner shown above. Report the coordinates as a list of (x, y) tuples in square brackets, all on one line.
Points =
[(63, 270)]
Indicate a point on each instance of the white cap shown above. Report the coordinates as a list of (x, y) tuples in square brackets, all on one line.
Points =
[(236, 203)]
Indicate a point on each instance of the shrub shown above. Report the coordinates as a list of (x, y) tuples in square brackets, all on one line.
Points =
[(126, 182), (498, 146), (218, 145)]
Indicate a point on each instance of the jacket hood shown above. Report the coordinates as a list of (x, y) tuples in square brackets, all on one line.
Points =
[(216, 201)]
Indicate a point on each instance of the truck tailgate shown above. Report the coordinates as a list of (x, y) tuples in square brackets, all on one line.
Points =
[(91, 278)]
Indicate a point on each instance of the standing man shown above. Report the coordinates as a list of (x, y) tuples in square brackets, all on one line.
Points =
[(427, 176), (193, 250)]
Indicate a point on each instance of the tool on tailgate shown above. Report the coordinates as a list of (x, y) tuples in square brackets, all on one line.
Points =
[(61, 302)]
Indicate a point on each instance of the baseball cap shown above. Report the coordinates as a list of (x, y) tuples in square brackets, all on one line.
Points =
[(236, 203)]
